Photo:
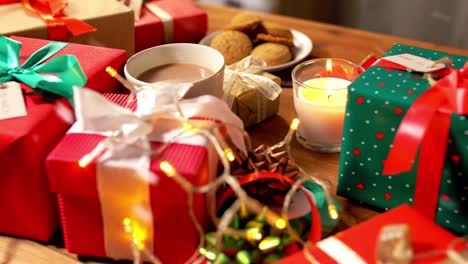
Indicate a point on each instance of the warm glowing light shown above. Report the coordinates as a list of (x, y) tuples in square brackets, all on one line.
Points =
[(258, 236), (280, 223), (85, 160), (229, 154), (269, 243), (167, 168), (333, 212), (328, 65), (138, 233), (254, 234), (295, 124), (187, 126), (112, 72), (139, 244), (127, 221), (210, 255)]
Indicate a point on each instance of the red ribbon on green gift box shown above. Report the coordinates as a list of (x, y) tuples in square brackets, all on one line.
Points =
[(58, 24), (426, 126)]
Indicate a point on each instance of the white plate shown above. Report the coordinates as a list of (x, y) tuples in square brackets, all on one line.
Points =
[(302, 48)]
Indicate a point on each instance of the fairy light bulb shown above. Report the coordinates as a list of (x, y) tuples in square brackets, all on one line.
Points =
[(333, 212), (210, 255), (295, 124), (89, 157), (280, 223), (167, 168), (85, 160), (229, 154), (111, 71), (187, 126)]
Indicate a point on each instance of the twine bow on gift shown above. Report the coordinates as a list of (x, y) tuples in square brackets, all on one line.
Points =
[(58, 24), (426, 128), (245, 72), (56, 76)]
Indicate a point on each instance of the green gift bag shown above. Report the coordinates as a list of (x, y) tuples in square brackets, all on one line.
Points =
[(378, 101)]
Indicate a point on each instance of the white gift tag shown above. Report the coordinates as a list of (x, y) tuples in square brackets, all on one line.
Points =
[(11, 101), (415, 63)]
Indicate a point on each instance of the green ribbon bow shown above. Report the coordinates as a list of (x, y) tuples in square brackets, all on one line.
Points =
[(58, 76)]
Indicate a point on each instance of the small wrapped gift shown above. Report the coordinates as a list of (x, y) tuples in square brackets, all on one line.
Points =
[(251, 93), (365, 242), (85, 22), (27, 207), (126, 181), (166, 21), (405, 138)]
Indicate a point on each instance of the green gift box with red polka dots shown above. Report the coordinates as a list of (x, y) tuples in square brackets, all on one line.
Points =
[(378, 100)]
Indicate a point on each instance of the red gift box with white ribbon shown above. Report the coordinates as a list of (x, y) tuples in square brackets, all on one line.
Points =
[(128, 183), (168, 21), (359, 244)]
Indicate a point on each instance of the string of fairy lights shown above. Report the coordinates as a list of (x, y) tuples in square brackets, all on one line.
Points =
[(227, 156), (136, 232)]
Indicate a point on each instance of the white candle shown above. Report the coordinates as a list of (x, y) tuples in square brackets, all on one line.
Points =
[(321, 107)]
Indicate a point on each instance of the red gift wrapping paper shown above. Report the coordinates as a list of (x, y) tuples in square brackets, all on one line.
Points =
[(5, 2), (27, 207), (175, 236), (425, 236), (190, 24)]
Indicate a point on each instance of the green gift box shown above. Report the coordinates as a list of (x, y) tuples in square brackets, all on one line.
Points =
[(378, 101)]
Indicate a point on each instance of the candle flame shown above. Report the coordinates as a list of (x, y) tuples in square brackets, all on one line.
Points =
[(328, 66)]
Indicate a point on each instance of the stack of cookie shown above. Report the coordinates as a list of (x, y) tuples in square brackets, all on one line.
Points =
[(247, 34)]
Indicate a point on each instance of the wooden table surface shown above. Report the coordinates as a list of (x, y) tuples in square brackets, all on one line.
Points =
[(328, 41)]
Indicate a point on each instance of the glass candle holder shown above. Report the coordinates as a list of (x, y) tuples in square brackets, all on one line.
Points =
[(320, 96)]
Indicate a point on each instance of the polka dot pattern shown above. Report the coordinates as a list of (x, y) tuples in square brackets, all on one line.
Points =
[(378, 101)]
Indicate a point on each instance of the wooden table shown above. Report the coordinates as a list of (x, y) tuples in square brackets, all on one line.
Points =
[(329, 41)]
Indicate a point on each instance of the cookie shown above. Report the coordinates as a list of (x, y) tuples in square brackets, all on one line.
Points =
[(273, 53), (245, 22), (273, 39), (271, 32), (234, 45)]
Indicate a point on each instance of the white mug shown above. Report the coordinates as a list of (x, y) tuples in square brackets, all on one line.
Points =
[(180, 53)]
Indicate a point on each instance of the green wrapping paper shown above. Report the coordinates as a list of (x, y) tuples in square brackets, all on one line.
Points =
[(378, 100)]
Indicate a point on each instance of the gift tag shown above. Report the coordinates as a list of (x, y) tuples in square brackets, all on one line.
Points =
[(11, 101), (415, 63)]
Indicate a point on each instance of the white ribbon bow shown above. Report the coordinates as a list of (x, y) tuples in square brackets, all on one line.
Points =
[(245, 72), (95, 114), (123, 172)]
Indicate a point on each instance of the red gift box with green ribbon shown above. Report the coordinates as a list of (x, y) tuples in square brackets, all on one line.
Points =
[(166, 21), (128, 183), (405, 140), (46, 70)]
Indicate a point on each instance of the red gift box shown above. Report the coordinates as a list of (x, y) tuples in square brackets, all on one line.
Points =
[(28, 208), (189, 24), (362, 239), (175, 236)]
